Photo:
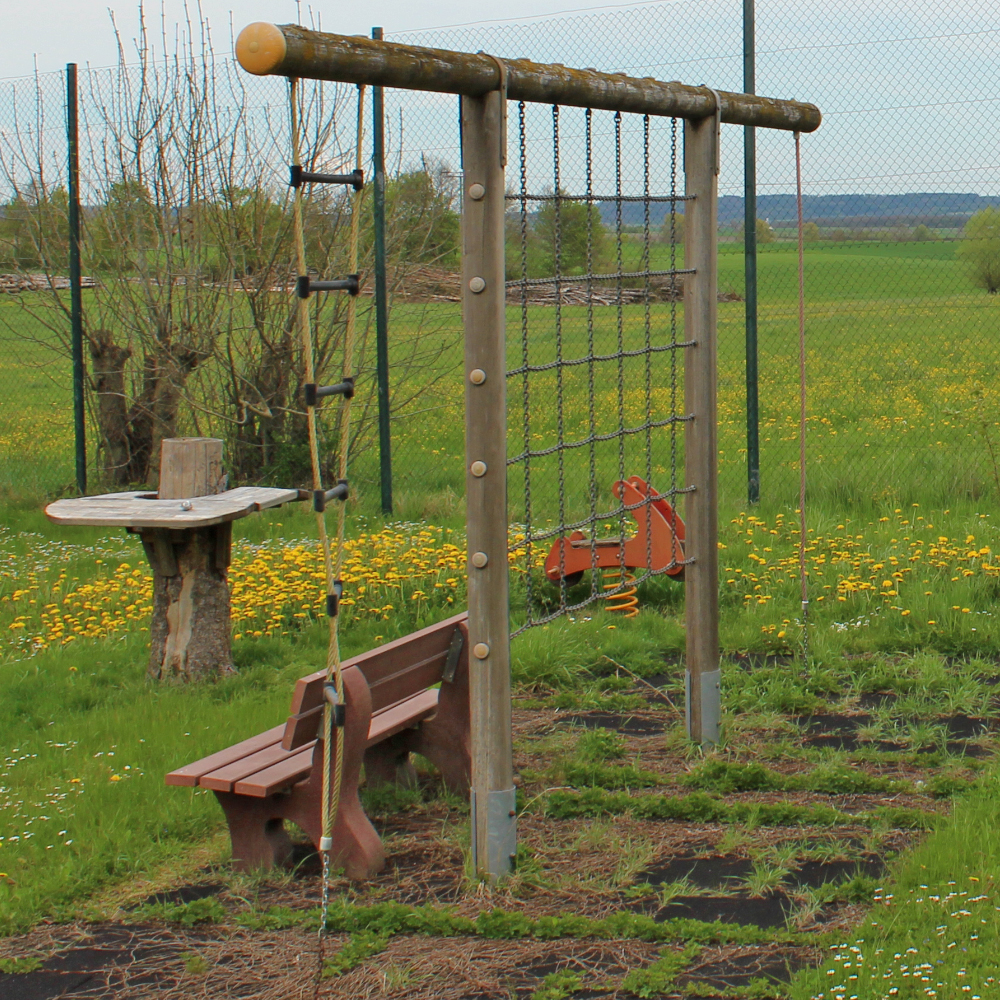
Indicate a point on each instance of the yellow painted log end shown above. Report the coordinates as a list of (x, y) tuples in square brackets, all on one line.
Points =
[(261, 48)]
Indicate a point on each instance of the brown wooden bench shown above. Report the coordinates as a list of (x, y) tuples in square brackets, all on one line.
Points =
[(392, 710)]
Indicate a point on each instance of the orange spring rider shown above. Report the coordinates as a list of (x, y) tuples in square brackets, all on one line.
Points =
[(659, 534)]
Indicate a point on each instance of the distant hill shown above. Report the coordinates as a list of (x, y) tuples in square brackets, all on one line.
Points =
[(847, 210)]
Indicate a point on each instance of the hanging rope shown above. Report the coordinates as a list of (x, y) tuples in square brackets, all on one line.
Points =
[(802, 403), (333, 557)]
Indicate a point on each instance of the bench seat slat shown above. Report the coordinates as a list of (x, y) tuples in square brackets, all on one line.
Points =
[(188, 776), (222, 779), (402, 715), (293, 768)]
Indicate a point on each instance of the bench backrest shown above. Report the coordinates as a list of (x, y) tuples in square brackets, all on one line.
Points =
[(393, 672)]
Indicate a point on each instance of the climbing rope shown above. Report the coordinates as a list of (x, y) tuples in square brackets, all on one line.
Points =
[(333, 555), (804, 583)]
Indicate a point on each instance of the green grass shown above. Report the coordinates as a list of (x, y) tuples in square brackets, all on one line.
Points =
[(939, 910), (902, 372), (83, 797), (904, 397)]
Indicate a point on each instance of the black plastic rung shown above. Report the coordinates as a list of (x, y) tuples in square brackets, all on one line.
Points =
[(333, 600), (305, 286), (314, 393), (297, 177), (322, 497), (338, 708)]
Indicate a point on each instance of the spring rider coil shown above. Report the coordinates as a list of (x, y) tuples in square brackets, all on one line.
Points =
[(658, 545)]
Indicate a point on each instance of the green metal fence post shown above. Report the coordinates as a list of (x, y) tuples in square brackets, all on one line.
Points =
[(750, 257), (381, 305), (76, 296)]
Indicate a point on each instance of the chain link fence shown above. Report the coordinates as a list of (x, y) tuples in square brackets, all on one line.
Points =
[(900, 256), (903, 351), (36, 379)]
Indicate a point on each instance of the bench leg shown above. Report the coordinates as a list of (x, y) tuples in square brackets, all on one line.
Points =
[(357, 848), (446, 739), (388, 762), (256, 830)]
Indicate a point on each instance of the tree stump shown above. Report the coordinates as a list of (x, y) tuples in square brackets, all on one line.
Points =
[(190, 630)]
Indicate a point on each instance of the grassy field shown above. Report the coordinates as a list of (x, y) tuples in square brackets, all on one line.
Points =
[(849, 759)]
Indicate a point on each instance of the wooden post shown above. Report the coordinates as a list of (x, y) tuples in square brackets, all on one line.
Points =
[(190, 631), (484, 147), (701, 577)]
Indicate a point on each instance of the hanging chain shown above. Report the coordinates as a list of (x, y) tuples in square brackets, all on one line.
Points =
[(647, 329), (560, 415), (533, 456), (673, 329), (595, 585), (525, 359), (622, 523)]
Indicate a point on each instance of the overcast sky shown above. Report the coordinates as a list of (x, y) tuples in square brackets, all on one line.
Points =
[(80, 30), (909, 89)]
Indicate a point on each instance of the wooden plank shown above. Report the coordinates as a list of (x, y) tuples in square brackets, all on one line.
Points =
[(222, 779), (384, 662), (408, 681), (135, 510), (190, 467), (301, 728), (278, 776), (401, 716), (187, 776)]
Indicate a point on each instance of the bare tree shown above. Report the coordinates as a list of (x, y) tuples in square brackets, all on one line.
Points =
[(188, 234)]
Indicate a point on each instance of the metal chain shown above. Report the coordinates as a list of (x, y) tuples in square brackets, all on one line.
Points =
[(673, 329), (525, 359), (620, 317), (560, 427), (534, 536), (591, 412), (647, 328)]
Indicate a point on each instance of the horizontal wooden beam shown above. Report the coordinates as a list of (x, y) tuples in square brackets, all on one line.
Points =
[(289, 50)]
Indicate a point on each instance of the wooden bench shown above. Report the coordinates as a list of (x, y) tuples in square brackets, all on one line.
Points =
[(392, 710)]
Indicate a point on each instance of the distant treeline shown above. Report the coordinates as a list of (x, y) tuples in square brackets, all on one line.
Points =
[(937, 209)]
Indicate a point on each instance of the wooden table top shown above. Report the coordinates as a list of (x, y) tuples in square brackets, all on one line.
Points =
[(144, 510)]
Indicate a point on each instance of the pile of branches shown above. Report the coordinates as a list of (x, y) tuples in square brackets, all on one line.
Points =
[(606, 294), (438, 284), (427, 284), (11, 284)]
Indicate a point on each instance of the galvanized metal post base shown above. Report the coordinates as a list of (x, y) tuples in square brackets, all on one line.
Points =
[(501, 835), (707, 704)]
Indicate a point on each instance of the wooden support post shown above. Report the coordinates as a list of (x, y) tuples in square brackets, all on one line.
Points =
[(701, 577), (190, 631), (484, 145)]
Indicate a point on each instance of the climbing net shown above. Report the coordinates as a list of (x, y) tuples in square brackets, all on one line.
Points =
[(595, 264)]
